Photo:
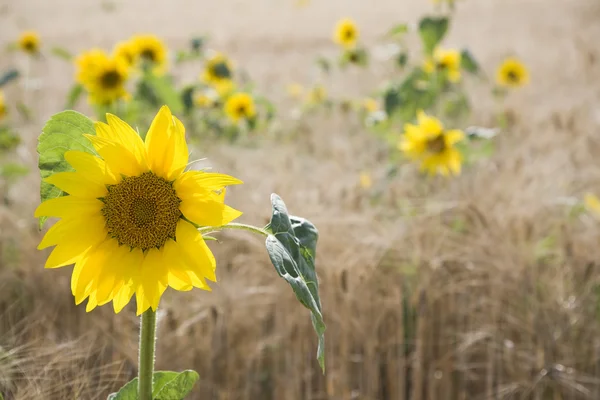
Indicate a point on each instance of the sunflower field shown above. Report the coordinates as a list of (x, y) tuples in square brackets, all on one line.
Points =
[(299, 200)]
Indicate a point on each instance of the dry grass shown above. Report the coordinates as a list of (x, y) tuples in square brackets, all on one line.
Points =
[(479, 288)]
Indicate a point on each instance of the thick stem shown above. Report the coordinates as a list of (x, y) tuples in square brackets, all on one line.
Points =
[(146, 359)]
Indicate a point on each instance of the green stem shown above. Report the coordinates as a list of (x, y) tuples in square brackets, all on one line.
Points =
[(146, 360), (234, 225)]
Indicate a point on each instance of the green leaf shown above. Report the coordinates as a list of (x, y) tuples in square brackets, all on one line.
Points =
[(292, 250), (398, 30), (64, 131), (432, 31), (391, 100), (159, 90), (8, 76), (468, 62), (324, 64), (62, 53), (12, 171), (402, 59), (127, 392), (173, 385), (74, 95)]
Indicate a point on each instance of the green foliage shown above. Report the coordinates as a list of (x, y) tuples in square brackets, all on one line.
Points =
[(64, 131), (8, 139), (291, 245), (8, 76), (12, 171), (432, 31), (74, 95), (468, 62), (166, 385), (159, 90), (398, 31), (62, 53)]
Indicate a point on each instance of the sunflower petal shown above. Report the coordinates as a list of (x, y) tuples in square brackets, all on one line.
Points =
[(91, 167), (194, 252), (159, 143), (68, 206), (152, 281), (76, 184), (128, 138), (118, 158)]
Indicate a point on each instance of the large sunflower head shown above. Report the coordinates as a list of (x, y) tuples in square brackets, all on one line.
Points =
[(217, 70), (129, 219), (2, 106), (151, 50), (432, 146), (512, 73), (445, 61), (345, 33), (29, 42), (104, 77), (240, 106)]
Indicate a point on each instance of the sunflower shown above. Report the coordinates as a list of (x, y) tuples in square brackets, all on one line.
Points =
[(432, 146), (129, 220), (346, 33), (446, 61), (592, 203), (317, 95), (240, 106), (217, 71), (204, 100), (151, 50), (370, 105), (126, 51), (512, 73), (295, 90), (2, 106), (103, 77), (29, 42)]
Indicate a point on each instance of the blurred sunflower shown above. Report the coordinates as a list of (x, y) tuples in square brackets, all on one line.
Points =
[(150, 49), (446, 61), (365, 180), (29, 42), (102, 76), (240, 106), (217, 71), (127, 51), (317, 95), (203, 100), (295, 90), (592, 204), (370, 105), (2, 106), (346, 33), (432, 146), (512, 73), (129, 220)]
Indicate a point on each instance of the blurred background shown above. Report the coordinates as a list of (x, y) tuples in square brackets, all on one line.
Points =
[(480, 286)]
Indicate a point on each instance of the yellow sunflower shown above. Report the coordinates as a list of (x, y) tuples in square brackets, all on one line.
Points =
[(446, 61), (592, 204), (102, 76), (240, 106), (150, 49), (370, 105), (512, 73), (204, 100), (2, 106), (317, 95), (129, 220), (127, 51), (29, 42), (432, 146), (217, 71), (346, 33)]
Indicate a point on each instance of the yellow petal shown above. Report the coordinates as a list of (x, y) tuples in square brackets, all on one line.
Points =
[(152, 281), (180, 150), (194, 251), (453, 136), (207, 210), (88, 268), (181, 274), (119, 159), (90, 230), (92, 302), (68, 206), (76, 184), (160, 143), (123, 296), (128, 138), (91, 167), (66, 254), (592, 203), (193, 181)]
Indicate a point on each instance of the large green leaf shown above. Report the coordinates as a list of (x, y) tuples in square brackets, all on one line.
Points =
[(166, 385), (64, 131), (292, 249), (432, 31)]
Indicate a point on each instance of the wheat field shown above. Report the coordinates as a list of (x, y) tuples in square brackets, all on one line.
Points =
[(506, 307)]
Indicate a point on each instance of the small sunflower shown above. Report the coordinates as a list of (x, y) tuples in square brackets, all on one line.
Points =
[(370, 105), (151, 50), (103, 77), (512, 73), (445, 61), (204, 100), (432, 146), (29, 42), (129, 220), (240, 106), (2, 106), (126, 51), (346, 33), (217, 70), (317, 95)]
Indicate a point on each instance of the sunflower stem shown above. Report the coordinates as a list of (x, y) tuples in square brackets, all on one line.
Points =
[(146, 359)]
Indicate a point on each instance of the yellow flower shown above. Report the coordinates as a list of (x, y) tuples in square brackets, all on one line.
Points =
[(126, 51), (444, 60), (295, 90), (365, 180), (102, 76), (432, 146), (346, 33), (217, 70), (224, 88), (150, 49), (128, 221), (370, 105), (2, 106), (29, 42), (317, 95), (592, 204), (203, 100), (512, 73), (240, 106)]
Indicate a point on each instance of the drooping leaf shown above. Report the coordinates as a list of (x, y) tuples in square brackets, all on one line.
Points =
[(64, 131), (398, 31), (74, 95), (127, 392), (62, 53), (173, 385), (292, 249), (8, 76), (432, 31), (468, 62)]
